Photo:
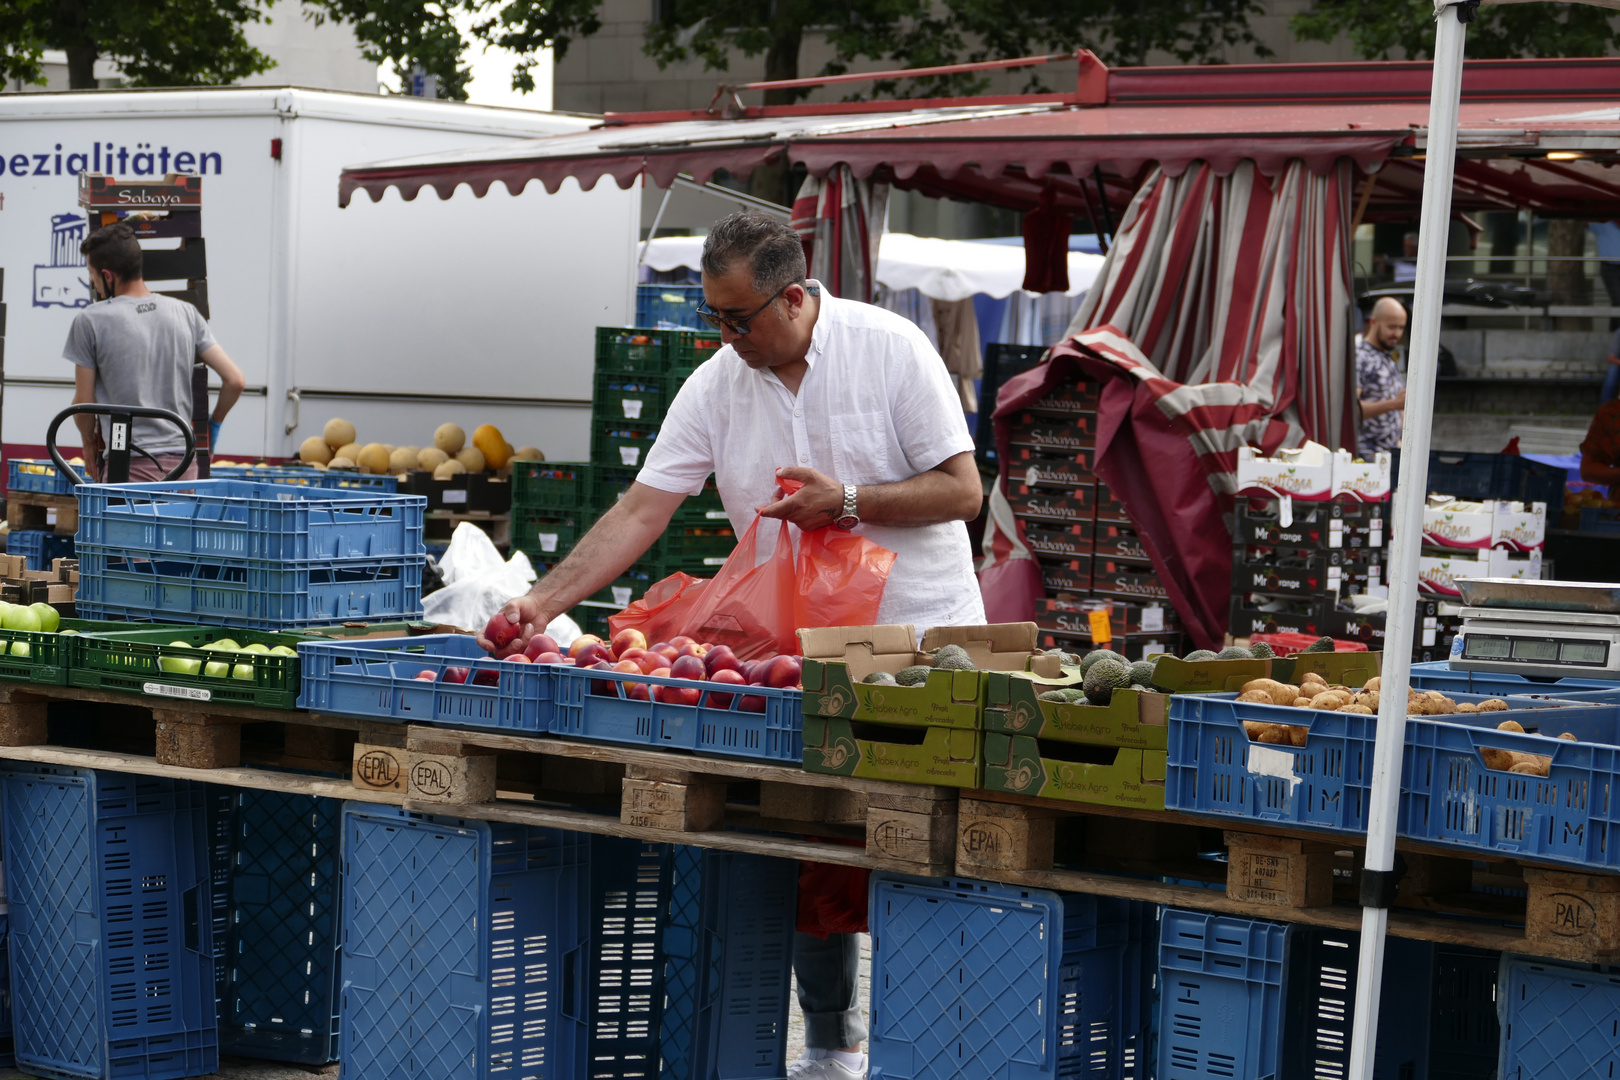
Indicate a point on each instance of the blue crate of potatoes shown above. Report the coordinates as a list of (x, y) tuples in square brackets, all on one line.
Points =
[(111, 942)]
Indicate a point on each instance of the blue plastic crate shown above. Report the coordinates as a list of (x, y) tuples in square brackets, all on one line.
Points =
[(1484, 477), (1221, 982), (1558, 1021), (624, 982), (119, 584), (597, 705), (977, 979), (1440, 675), (1214, 768), (380, 483), (1600, 519), (38, 475), (464, 947), (8, 1056), (728, 954), (38, 547), (242, 519), (1465, 1033), (112, 963), (377, 679), (275, 902), (666, 306)]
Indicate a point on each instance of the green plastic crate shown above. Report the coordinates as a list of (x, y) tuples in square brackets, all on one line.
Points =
[(689, 348), (129, 661), (557, 485), (617, 444), (543, 537), (630, 399), (47, 660), (702, 547), (618, 350)]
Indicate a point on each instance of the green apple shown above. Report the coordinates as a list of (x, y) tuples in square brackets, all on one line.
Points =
[(179, 665), (224, 643), (20, 648), (17, 617), (256, 647), (283, 650), (49, 617), (65, 633), (242, 671), (217, 669)]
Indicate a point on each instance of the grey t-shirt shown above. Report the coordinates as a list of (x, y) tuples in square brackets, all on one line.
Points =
[(142, 350)]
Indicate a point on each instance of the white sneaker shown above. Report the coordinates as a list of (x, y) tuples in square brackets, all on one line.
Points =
[(826, 1068)]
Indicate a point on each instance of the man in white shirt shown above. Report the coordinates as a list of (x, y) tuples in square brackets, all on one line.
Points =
[(855, 403)]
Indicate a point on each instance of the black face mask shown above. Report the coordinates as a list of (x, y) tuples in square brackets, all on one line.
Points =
[(99, 288)]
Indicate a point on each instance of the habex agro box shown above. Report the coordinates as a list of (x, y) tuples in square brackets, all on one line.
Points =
[(1110, 776), (1135, 718)]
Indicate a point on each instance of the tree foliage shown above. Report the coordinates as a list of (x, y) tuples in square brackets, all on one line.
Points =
[(156, 42), (1404, 29)]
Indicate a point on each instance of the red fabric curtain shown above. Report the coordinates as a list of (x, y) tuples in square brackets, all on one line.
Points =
[(840, 219)]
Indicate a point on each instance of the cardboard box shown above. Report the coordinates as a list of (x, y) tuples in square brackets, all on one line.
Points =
[(1072, 577), (1127, 581), (1053, 435), (1119, 542), (1055, 541), (1439, 568), (1067, 470), (1208, 676), (1304, 474), (1341, 668), (1048, 504), (1454, 523), (1319, 527), (1295, 616), (1071, 399), (1108, 507), (1131, 718), (1074, 617), (1132, 647), (837, 658), (1121, 776), (1312, 576), (1367, 481), (949, 757), (1346, 625)]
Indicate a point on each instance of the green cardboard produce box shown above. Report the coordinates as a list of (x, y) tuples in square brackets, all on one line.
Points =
[(1208, 676), (1123, 776), (1341, 668), (945, 756), (1136, 718), (837, 658)]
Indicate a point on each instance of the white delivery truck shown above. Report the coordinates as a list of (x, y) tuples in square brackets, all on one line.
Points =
[(398, 318)]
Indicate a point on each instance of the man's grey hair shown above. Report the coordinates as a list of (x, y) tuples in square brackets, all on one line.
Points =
[(765, 244)]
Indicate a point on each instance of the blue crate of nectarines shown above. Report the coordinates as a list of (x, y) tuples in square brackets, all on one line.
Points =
[(435, 678), (711, 713)]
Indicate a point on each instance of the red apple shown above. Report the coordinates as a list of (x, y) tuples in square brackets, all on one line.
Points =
[(687, 667), (666, 650), (425, 676), (783, 672), (721, 658), (538, 644), (580, 642), (727, 677), (456, 674), (501, 631), (751, 703), (628, 638), (592, 653)]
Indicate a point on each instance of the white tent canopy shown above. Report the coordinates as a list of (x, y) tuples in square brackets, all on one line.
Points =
[(939, 269)]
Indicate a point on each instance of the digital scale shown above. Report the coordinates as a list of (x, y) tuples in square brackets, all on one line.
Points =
[(1557, 629)]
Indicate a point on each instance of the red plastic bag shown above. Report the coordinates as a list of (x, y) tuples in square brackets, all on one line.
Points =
[(834, 580)]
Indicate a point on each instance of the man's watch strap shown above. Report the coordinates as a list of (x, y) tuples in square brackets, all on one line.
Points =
[(847, 518)]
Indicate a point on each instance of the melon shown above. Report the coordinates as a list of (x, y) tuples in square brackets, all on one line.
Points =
[(338, 433), (341, 463), (431, 458), (348, 450), (374, 458), (315, 450), (402, 459), (528, 453), (449, 438), (449, 468), (489, 441), (471, 459)]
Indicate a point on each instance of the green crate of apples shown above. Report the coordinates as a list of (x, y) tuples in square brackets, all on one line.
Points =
[(33, 642), (197, 663)]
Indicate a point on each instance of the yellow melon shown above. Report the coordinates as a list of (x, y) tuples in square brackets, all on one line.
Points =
[(348, 450), (449, 438), (431, 458), (338, 433), (449, 468), (401, 459), (374, 458), (528, 453), (472, 459), (315, 449), (489, 441), (341, 463)]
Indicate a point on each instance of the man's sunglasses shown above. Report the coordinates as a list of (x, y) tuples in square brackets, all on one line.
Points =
[(741, 326)]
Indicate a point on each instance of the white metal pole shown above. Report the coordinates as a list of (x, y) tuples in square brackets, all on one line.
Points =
[(1378, 884)]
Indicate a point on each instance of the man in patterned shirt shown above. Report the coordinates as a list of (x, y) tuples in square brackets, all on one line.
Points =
[(1380, 387)]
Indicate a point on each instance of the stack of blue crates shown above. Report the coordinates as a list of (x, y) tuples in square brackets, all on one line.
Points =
[(247, 554), (972, 978), (1559, 1021), (111, 953), (275, 904), (39, 547)]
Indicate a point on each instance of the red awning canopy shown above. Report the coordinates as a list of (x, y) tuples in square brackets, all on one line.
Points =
[(1006, 151)]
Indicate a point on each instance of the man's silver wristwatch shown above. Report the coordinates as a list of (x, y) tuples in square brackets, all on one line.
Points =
[(848, 518)]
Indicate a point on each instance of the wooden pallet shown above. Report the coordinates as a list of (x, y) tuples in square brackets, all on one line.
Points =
[(674, 797), (50, 513), (440, 524)]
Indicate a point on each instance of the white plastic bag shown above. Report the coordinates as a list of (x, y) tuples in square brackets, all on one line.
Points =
[(478, 583)]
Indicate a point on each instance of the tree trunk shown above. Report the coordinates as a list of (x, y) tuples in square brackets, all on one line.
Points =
[(70, 20), (772, 182), (1567, 281), (81, 58)]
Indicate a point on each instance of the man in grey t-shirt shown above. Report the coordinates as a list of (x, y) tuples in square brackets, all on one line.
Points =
[(137, 348)]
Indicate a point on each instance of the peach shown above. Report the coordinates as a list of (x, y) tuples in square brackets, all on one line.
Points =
[(580, 643)]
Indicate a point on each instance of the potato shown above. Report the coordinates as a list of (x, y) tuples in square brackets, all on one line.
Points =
[(1374, 684), (1276, 734), (1497, 759), (1567, 737), (1331, 700), (1275, 692), (1302, 703), (1441, 707), (1298, 735), (1260, 697), (1467, 707), (1368, 698), (1360, 710), (1494, 704), (1254, 729), (1417, 706), (1527, 767), (1506, 725)]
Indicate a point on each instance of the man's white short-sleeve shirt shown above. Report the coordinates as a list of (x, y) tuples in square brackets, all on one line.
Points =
[(876, 407)]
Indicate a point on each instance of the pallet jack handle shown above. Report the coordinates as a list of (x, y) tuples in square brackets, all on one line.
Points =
[(119, 443)]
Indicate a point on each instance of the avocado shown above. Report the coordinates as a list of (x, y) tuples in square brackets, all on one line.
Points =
[(1197, 655), (1234, 652), (1104, 677), (1261, 651), (881, 678), (953, 658), (1321, 644), (915, 675), (1142, 673), (1102, 654), (1056, 696)]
